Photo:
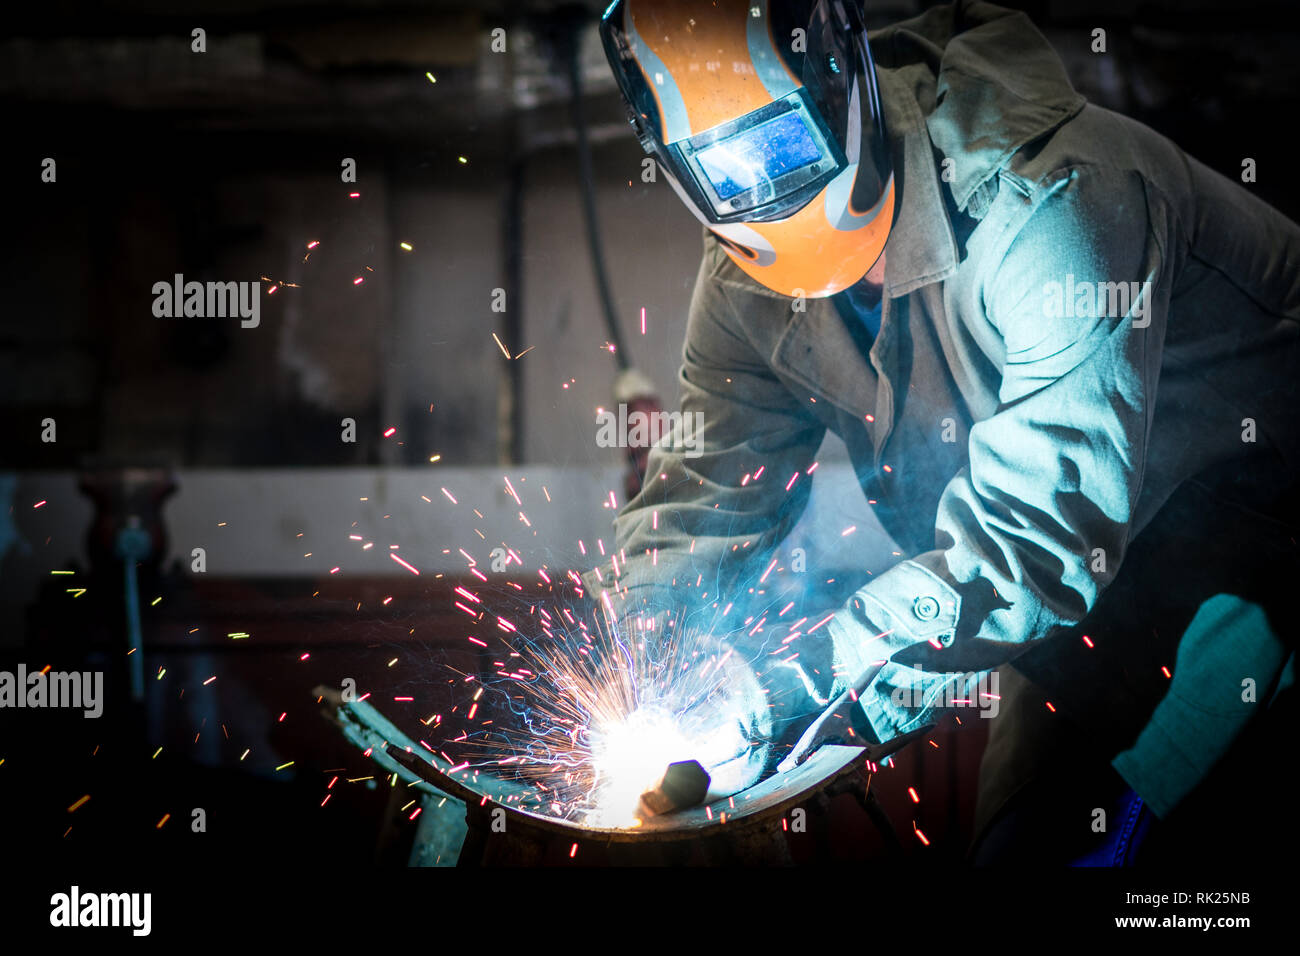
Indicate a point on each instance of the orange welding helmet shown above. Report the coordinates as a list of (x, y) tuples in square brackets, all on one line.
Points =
[(766, 120)]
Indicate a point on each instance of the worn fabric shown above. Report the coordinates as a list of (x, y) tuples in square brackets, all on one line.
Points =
[(1024, 411)]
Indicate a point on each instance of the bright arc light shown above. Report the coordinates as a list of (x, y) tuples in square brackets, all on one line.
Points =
[(598, 715), (628, 759)]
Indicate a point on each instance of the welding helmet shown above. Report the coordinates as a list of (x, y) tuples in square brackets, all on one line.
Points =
[(765, 118)]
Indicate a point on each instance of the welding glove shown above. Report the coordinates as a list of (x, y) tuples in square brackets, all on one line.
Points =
[(846, 720), (741, 764), (889, 688), (798, 689), (734, 729)]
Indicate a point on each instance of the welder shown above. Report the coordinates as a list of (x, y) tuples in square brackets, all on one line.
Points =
[(1098, 497)]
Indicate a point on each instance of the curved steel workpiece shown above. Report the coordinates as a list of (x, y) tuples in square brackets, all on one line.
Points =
[(744, 828)]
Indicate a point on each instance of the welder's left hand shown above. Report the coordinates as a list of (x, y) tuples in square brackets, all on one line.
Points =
[(738, 763), (730, 724)]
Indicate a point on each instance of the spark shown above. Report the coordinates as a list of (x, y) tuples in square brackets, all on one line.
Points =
[(821, 622), (601, 715), (404, 563)]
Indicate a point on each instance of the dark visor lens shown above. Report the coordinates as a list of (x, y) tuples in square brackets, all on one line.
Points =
[(757, 156)]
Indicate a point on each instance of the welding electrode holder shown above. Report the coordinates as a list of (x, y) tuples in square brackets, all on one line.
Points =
[(684, 784)]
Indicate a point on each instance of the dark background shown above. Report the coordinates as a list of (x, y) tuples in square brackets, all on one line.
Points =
[(225, 165)]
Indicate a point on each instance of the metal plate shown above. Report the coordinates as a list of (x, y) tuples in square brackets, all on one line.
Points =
[(757, 806)]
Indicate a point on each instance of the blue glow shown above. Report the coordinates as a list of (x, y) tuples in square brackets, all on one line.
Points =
[(759, 155)]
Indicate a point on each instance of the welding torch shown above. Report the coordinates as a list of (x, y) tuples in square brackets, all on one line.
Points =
[(844, 721)]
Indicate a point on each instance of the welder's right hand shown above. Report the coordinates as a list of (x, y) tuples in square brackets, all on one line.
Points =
[(845, 722), (842, 721)]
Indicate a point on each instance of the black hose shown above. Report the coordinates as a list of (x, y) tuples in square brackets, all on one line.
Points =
[(588, 191)]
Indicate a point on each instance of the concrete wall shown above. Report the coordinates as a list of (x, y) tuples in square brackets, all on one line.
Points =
[(277, 523)]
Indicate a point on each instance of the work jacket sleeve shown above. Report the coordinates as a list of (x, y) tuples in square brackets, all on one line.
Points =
[(1036, 525), (713, 507)]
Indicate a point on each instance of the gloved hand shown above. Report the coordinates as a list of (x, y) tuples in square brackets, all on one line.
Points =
[(910, 700), (732, 727), (844, 722), (794, 686), (886, 704)]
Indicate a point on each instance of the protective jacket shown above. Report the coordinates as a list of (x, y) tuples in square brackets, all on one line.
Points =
[(1084, 384)]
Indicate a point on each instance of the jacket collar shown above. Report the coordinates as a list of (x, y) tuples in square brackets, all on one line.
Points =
[(974, 83)]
